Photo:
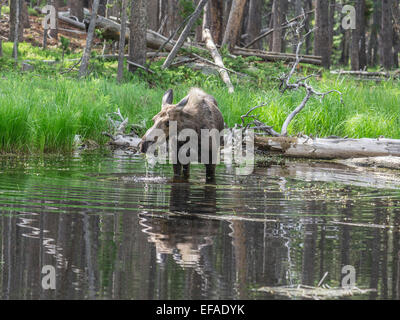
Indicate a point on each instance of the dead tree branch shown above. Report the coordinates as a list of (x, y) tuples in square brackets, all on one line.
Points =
[(288, 84)]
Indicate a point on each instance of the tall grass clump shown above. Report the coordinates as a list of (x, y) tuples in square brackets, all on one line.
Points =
[(45, 113)]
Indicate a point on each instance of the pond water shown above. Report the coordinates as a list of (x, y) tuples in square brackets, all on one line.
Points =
[(114, 228)]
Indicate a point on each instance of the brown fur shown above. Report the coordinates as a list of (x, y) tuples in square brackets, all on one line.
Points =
[(198, 110)]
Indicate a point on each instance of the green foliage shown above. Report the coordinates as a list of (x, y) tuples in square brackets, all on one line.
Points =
[(5, 10), (42, 111)]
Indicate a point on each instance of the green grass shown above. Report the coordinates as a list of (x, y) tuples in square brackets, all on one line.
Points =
[(42, 111)]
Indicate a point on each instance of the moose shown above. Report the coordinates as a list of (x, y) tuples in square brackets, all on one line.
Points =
[(197, 111)]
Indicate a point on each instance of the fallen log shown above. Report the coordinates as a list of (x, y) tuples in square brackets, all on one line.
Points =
[(306, 147), (217, 58), (111, 31), (365, 74), (267, 56)]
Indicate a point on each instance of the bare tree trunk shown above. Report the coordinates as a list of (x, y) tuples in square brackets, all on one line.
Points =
[(76, 9), (254, 22), (184, 34), (373, 47), (137, 31), (120, 73), (278, 16), (217, 59), (89, 41), (1, 47), (25, 16), (234, 23), (225, 17), (363, 48), (396, 32), (216, 12), (153, 14), (358, 54), (102, 8), (13, 17), (297, 11), (387, 34), (54, 32), (16, 30), (332, 10), (307, 26), (321, 43), (355, 40)]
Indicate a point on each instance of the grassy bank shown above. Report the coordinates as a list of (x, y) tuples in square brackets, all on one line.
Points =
[(42, 112)]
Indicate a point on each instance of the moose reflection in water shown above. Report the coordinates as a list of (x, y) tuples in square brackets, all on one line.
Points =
[(185, 237), (110, 237)]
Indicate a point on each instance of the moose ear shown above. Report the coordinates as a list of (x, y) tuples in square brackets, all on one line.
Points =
[(183, 102), (168, 97)]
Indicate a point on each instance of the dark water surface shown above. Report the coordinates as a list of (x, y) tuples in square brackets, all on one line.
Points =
[(116, 229)]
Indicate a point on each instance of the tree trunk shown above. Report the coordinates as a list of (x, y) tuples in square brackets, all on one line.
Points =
[(254, 22), (89, 40), (322, 34), (396, 32), (234, 23), (16, 30), (307, 27), (373, 46), (102, 8), (279, 12), (363, 40), (387, 34), (217, 59), (225, 18), (216, 11), (121, 53), (137, 31), (54, 32), (329, 148), (12, 23), (332, 11), (358, 53), (184, 34), (76, 9), (153, 14), (25, 16)]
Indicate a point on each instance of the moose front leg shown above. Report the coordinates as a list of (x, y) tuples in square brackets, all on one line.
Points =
[(177, 170), (210, 172), (186, 171)]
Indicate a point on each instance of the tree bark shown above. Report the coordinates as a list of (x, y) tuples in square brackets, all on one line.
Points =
[(396, 32), (54, 32), (373, 46), (216, 12), (89, 41), (121, 53), (102, 8), (279, 12), (234, 23), (321, 43), (329, 148), (184, 34), (76, 9), (254, 22), (387, 34), (137, 31), (153, 14), (358, 54), (16, 30), (217, 59), (12, 23)]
